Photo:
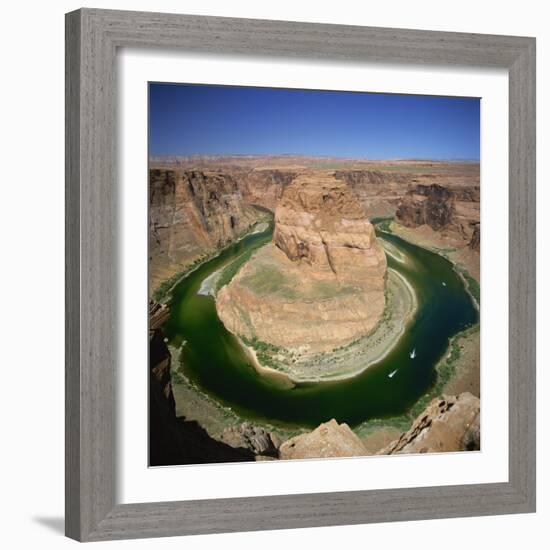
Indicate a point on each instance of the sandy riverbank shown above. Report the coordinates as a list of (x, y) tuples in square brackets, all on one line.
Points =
[(280, 377)]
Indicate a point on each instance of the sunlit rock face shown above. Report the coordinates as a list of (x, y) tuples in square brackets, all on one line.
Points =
[(450, 423), (320, 283), (320, 222), (329, 440), (191, 214)]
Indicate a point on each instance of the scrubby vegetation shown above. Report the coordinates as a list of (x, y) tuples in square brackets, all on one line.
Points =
[(267, 353)]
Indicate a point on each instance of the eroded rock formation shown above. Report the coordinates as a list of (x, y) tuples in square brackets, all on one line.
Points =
[(448, 424), (379, 192), (329, 440), (379, 185), (191, 214), (320, 222), (427, 205), (320, 284), (254, 438), (264, 187), (454, 212)]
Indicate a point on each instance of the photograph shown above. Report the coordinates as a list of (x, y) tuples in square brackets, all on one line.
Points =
[(314, 274), (287, 262)]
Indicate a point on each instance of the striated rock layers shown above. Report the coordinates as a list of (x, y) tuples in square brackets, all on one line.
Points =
[(329, 440), (319, 222), (379, 192), (320, 283), (452, 212), (191, 213), (264, 187), (448, 424)]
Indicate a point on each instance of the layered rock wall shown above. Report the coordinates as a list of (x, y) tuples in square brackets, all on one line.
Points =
[(264, 187), (191, 213), (452, 212), (448, 424)]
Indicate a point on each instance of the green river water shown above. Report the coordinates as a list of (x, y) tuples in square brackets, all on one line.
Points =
[(214, 361)]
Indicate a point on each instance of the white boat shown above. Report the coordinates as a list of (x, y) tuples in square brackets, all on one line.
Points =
[(412, 355), (444, 284), (392, 373)]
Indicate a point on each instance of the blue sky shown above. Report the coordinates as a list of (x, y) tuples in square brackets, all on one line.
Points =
[(212, 120)]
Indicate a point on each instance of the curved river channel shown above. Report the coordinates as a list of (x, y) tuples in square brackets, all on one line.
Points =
[(213, 360)]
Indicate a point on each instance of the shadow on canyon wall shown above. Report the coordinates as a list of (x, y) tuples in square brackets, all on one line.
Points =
[(175, 440)]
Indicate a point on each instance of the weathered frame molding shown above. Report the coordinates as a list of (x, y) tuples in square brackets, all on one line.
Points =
[(92, 38)]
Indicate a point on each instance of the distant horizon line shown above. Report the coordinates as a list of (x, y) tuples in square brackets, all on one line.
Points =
[(301, 155)]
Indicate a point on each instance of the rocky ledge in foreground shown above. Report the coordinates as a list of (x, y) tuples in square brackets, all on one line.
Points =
[(329, 440), (448, 424), (320, 283)]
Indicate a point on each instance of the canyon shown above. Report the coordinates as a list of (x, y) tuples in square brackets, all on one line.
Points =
[(197, 205), (324, 274)]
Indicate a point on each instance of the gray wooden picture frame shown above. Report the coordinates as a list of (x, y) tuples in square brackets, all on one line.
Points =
[(92, 39)]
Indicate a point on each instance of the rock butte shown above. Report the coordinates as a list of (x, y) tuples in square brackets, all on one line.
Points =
[(320, 283)]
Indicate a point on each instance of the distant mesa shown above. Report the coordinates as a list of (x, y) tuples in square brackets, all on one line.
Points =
[(320, 283)]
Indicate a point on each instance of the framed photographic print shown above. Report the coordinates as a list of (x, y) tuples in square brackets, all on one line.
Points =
[(300, 275)]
